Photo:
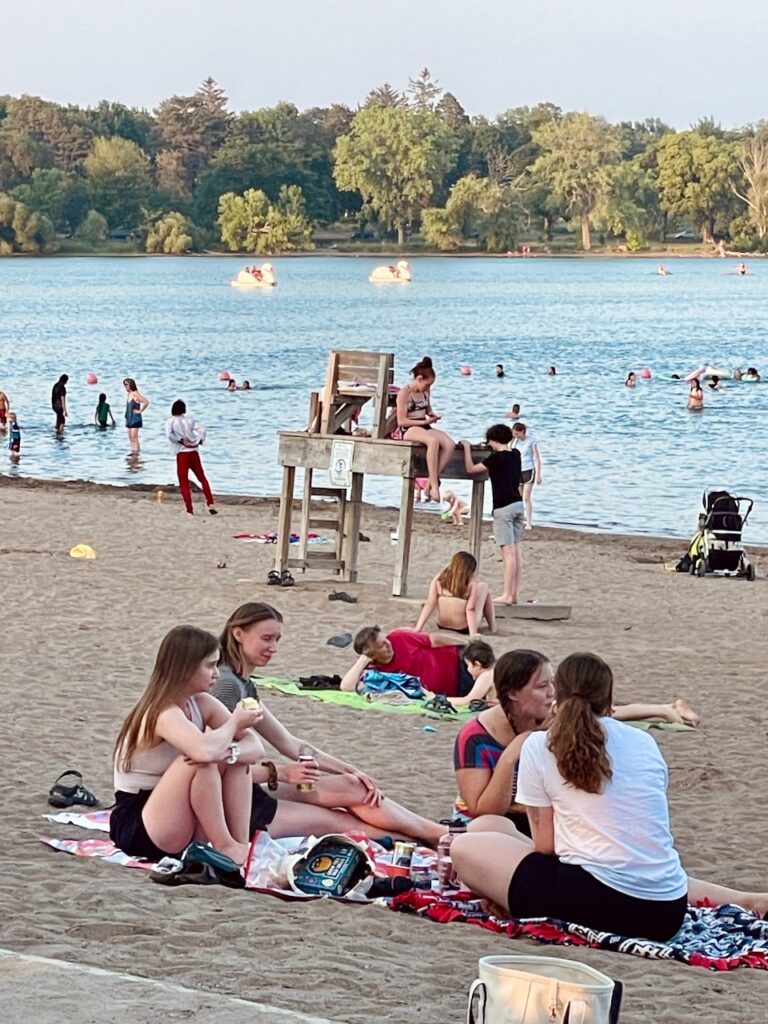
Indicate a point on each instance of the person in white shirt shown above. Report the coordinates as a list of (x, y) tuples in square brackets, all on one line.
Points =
[(185, 436), (601, 852), (530, 464)]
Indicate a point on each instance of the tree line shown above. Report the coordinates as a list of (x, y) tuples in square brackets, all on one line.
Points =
[(193, 174)]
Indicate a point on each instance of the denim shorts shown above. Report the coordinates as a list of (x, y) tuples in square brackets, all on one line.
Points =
[(509, 523)]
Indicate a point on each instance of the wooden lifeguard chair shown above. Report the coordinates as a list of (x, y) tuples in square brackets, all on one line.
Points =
[(353, 379)]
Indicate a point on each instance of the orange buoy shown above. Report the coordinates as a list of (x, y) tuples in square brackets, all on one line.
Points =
[(466, 371), (91, 378), (646, 374), (223, 375)]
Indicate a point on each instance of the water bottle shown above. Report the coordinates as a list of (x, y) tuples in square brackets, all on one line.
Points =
[(446, 876)]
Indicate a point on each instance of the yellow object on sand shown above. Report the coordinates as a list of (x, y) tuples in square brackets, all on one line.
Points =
[(82, 551)]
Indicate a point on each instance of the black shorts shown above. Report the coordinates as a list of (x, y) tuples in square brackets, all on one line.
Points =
[(126, 827), (466, 682), (542, 886), (263, 810), (463, 632), (60, 421), (527, 475)]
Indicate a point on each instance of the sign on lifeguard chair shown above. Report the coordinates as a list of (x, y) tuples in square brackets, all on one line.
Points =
[(340, 470)]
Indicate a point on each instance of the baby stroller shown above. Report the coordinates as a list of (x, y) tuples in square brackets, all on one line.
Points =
[(717, 549)]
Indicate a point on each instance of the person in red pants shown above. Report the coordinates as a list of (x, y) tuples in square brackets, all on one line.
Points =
[(186, 435)]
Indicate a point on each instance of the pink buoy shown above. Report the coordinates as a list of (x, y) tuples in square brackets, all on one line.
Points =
[(466, 371), (91, 378), (223, 375), (646, 374)]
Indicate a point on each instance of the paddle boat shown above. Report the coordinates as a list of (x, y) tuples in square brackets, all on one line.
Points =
[(256, 277), (709, 371), (399, 274)]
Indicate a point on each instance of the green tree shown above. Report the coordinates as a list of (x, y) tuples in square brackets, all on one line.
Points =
[(94, 228), (477, 209), (754, 168), (425, 91), (250, 223), (191, 130), (44, 194), (171, 233), (578, 152), (22, 230), (697, 178), (395, 158), (384, 96), (117, 172)]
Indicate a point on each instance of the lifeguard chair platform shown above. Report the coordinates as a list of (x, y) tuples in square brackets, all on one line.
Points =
[(329, 446)]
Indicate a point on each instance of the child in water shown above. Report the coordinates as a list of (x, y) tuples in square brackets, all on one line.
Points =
[(14, 439), (103, 413)]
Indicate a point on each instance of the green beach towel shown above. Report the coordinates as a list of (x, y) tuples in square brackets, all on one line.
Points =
[(413, 707)]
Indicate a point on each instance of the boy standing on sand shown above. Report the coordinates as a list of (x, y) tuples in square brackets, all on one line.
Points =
[(503, 468)]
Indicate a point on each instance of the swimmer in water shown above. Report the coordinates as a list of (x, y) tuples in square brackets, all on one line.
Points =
[(245, 386), (662, 271), (695, 397), (631, 381), (741, 269), (753, 374), (737, 374), (714, 384), (500, 370), (514, 412), (552, 371), (231, 384)]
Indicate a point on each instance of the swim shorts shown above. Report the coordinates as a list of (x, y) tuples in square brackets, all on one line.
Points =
[(263, 810), (509, 523), (527, 475)]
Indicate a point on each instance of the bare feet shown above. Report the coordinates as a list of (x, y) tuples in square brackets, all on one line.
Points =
[(505, 599), (687, 715), (238, 852)]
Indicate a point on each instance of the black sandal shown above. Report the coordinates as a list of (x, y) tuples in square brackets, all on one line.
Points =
[(342, 595), (441, 705), (273, 578), (286, 580), (66, 796), (478, 705)]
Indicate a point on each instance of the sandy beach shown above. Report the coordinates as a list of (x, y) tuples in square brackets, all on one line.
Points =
[(78, 640)]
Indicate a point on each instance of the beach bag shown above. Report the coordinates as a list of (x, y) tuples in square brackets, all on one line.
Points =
[(333, 865), (374, 681), (541, 990)]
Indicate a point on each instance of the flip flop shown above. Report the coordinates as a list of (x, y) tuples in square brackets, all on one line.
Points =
[(342, 640), (286, 580), (273, 578), (342, 595), (478, 705), (66, 796), (170, 871), (320, 682)]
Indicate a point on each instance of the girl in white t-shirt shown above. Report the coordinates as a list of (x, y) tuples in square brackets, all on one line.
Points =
[(530, 465), (601, 852)]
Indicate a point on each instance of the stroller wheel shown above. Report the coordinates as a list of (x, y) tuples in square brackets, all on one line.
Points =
[(750, 572), (701, 567)]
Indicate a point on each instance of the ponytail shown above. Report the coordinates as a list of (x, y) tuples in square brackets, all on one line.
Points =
[(584, 692), (423, 369)]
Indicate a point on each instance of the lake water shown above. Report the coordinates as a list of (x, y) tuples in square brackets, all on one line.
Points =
[(614, 459)]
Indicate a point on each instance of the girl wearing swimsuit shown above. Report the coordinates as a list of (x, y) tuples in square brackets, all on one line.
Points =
[(135, 405), (416, 419), (460, 599)]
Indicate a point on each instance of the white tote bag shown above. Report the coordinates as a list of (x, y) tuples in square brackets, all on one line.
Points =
[(541, 990)]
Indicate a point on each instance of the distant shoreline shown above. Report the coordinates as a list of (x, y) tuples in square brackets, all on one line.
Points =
[(327, 253)]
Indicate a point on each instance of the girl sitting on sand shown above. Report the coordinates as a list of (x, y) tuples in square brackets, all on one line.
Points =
[(182, 761), (336, 796), (595, 791), (487, 749), (460, 599), (416, 419)]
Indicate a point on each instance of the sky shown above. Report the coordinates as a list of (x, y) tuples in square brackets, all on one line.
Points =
[(678, 60)]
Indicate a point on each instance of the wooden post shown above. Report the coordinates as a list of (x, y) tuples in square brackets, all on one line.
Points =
[(476, 518), (352, 544), (284, 518), (306, 512), (404, 528)]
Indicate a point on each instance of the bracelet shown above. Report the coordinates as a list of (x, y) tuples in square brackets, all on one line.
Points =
[(272, 776)]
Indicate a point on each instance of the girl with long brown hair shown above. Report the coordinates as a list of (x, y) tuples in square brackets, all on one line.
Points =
[(461, 600), (182, 761), (135, 404), (601, 852), (416, 418), (335, 795)]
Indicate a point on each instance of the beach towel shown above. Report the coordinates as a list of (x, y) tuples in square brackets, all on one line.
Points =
[(394, 702), (362, 702), (271, 538), (376, 682), (717, 938)]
